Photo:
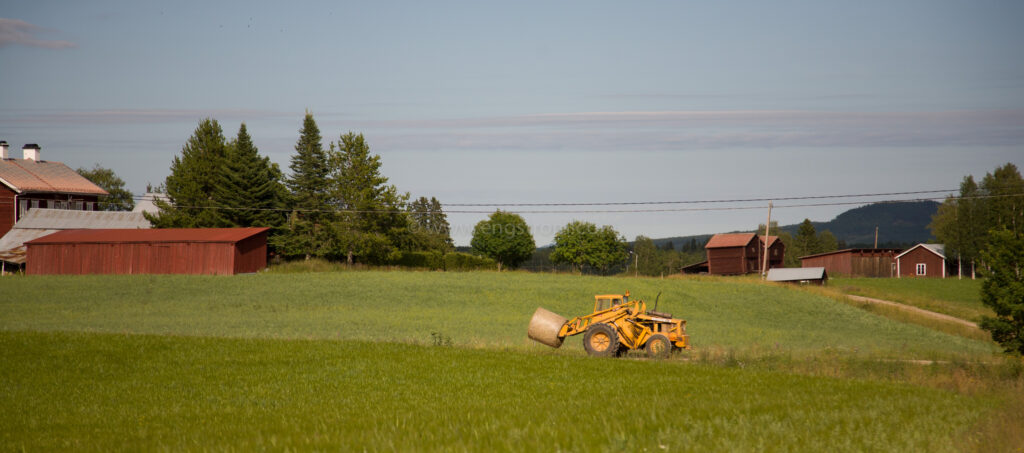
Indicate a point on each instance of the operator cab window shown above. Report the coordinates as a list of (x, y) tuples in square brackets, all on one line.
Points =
[(605, 303)]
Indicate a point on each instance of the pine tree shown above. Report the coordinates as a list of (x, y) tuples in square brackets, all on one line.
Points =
[(439, 224), (193, 182), (308, 227), (430, 227), (251, 186), (806, 241)]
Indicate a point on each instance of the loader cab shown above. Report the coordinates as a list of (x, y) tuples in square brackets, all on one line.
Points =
[(606, 301)]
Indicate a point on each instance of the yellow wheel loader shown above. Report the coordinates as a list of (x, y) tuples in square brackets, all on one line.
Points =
[(616, 326)]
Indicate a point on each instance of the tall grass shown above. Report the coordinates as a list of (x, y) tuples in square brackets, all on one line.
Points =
[(98, 392)]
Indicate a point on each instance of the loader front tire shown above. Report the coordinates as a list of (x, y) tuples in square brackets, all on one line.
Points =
[(601, 340), (658, 347)]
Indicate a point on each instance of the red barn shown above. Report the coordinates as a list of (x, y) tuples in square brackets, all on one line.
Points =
[(221, 251), (855, 262), (34, 183), (732, 253), (776, 252), (922, 260), (742, 253)]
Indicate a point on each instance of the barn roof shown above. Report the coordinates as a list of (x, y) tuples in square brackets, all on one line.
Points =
[(938, 249), (796, 274), (729, 240), (228, 235), (771, 240), (39, 222), (26, 175)]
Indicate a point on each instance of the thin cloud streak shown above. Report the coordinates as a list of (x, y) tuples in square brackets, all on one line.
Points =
[(144, 116), (19, 32), (671, 131)]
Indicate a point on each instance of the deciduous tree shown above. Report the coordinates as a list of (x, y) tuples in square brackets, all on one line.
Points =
[(504, 237), (372, 225), (584, 245), (120, 199)]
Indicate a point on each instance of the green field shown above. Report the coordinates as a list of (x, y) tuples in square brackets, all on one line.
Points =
[(473, 309), (107, 392), (951, 296), (346, 360)]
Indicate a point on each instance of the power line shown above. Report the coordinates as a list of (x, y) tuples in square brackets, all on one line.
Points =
[(621, 211), (739, 200)]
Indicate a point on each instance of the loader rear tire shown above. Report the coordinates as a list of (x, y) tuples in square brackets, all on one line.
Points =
[(658, 347), (601, 340)]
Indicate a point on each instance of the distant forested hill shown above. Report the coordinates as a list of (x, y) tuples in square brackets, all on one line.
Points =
[(899, 225)]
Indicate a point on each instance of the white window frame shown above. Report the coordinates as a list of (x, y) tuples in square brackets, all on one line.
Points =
[(921, 269)]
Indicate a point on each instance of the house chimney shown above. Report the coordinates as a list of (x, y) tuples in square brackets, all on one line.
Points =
[(31, 151), (3, 149)]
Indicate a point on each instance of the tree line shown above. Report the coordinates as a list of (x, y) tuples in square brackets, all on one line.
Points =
[(984, 227), (964, 223), (335, 204)]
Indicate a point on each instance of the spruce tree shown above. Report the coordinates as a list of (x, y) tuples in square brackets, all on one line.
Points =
[(430, 227), (251, 186), (308, 231), (193, 182)]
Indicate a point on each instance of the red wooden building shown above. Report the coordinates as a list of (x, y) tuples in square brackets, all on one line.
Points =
[(742, 253), (34, 183), (855, 262), (922, 260), (221, 251)]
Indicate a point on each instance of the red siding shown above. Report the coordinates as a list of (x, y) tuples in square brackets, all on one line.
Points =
[(744, 259), (921, 255), (8, 209), (9, 201), (727, 261), (855, 262), (251, 254), (248, 254)]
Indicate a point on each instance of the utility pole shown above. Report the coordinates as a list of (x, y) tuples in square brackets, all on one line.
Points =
[(767, 229), (876, 236)]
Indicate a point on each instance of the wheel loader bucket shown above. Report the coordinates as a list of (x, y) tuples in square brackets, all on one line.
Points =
[(544, 327)]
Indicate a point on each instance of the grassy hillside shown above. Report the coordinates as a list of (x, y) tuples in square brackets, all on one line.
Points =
[(474, 309), (100, 392), (950, 296)]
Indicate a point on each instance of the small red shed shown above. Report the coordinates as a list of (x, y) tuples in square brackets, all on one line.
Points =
[(922, 260), (220, 251)]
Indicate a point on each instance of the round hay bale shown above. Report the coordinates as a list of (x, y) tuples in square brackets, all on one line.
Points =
[(544, 327)]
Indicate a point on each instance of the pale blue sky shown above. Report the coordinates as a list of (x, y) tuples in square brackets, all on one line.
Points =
[(478, 102)]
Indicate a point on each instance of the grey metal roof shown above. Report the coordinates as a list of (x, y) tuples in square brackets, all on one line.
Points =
[(795, 274), (40, 222), (938, 249)]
